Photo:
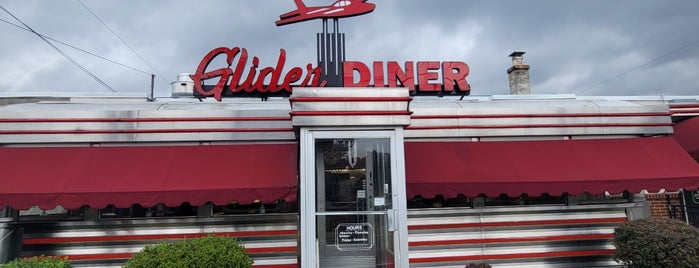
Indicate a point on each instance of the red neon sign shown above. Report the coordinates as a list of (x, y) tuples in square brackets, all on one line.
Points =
[(253, 82), (339, 9), (273, 80), (453, 76)]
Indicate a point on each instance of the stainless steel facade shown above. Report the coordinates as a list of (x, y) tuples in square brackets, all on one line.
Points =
[(134, 122)]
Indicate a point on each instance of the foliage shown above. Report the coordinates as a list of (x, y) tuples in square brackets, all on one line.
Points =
[(38, 262), (203, 252), (478, 265), (657, 243)]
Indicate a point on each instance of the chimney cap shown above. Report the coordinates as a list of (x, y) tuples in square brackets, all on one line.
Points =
[(517, 54)]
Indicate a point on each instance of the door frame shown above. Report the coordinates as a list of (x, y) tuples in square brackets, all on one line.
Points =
[(307, 188)]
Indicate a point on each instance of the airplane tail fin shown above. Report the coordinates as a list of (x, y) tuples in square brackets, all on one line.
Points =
[(300, 8), (300, 5)]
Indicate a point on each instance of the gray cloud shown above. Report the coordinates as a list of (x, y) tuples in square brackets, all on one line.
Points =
[(572, 46)]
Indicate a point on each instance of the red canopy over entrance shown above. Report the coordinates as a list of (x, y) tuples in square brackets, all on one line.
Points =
[(553, 167), (147, 175)]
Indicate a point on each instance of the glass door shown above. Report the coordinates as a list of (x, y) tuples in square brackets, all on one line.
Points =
[(355, 200)]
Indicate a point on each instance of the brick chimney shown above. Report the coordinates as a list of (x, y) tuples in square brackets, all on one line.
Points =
[(519, 75)]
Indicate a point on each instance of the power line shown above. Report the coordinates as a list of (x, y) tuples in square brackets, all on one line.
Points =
[(122, 41), (643, 65), (61, 52), (79, 49)]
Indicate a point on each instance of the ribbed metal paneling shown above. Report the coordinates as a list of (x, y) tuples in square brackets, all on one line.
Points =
[(511, 118), (270, 239), (157, 122), (333, 107), (521, 236)]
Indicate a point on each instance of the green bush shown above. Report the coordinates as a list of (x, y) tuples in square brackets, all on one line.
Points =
[(38, 262), (210, 251), (657, 243)]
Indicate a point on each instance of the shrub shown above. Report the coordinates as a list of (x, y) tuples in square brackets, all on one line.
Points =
[(210, 251), (656, 243), (38, 262)]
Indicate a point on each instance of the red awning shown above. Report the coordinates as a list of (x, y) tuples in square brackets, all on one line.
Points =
[(147, 175), (553, 167), (687, 135)]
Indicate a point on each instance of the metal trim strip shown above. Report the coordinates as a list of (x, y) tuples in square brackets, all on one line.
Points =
[(537, 115), (513, 240), (59, 240), (336, 113), (577, 253), (143, 131), (348, 99), (686, 105), (127, 255), (517, 223), (541, 126), (140, 120), (684, 111)]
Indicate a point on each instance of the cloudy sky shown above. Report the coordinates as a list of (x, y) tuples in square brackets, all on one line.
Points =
[(591, 47)]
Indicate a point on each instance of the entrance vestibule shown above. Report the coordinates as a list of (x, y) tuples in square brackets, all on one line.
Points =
[(353, 205)]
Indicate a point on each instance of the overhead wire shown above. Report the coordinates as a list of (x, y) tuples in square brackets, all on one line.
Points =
[(122, 40), (642, 65), (86, 71), (79, 49)]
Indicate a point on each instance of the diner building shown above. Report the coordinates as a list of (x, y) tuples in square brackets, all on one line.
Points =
[(352, 177)]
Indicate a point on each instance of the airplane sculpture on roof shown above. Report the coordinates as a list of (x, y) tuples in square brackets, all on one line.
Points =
[(339, 9)]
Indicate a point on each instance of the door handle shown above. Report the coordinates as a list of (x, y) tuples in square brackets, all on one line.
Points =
[(392, 219)]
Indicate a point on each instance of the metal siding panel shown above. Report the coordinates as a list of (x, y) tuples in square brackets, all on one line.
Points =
[(538, 242), (111, 230)]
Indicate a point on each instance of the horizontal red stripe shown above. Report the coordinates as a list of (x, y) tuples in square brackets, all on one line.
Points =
[(113, 238), (105, 256), (515, 223), (543, 126), (339, 113), (535, 115), (113, 256), (144, 131), (684, 111), (558, 254), (271, 250), (513, 240), (275, 266), (350, 99), (131, 120), (685, 105)]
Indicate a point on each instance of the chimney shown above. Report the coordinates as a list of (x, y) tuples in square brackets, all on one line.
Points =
[(519, 75)]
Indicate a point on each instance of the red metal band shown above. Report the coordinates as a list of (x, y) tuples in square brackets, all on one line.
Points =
[(143, 131), (348, 113), (515, 223), (543, 126), (61, 240), (140, 120), (558, 254), (476, 116), (684, 111), (349, 99), (685, 105), (513, 240)]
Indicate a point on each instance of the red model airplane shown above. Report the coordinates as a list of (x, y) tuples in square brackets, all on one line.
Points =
[(339, 9)]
